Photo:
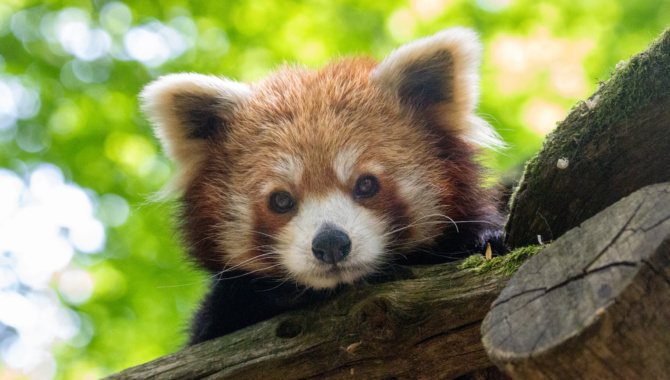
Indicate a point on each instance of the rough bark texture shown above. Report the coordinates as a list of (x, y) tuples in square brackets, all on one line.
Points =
[(596, 303), (424, 325), (615, 143)]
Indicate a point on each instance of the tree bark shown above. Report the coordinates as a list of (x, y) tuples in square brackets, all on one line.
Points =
[(614, 143), (424, 325), (596, 303)]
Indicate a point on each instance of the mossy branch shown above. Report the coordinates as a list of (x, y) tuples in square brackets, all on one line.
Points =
[(613, 143)]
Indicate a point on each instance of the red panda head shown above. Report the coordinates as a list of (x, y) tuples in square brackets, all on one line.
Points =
[(320, 176)]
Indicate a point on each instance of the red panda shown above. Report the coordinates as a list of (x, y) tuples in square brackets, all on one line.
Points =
[(310, 180)]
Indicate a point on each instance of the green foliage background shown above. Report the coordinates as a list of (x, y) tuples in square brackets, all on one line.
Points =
[(144, 290)]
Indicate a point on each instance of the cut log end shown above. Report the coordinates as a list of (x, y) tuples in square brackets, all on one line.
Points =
[(593, 304)]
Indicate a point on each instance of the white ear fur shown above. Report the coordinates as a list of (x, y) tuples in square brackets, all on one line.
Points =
[(188, 109), (441, 71)]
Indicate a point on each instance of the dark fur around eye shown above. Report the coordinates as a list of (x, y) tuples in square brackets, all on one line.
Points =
[(367, 186), (281, 202)]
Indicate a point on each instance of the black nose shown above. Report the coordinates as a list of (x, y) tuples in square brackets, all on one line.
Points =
[(331, 245)]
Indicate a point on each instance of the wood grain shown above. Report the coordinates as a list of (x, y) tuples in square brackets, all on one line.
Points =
[(594, 304)]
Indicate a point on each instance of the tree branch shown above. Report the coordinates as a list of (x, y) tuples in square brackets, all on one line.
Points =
[(424, 325)]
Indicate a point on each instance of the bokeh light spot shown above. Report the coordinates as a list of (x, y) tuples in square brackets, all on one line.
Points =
[(43, 219), (542, 116), (75, 286), (32, 138), (312, 52), (113, 210), (11, 192), (154, 43), (133, 151), (429, 9), (146, 46), (65, 119), (17, 310), (18, 101), (493, 5), (116, 17), (402, 25), (523, 60), (214, 39), (91, 72), (25, 24), (568, 80), (6, 13)]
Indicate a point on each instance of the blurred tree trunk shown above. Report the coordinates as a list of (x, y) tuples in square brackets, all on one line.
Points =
[(426, 323)]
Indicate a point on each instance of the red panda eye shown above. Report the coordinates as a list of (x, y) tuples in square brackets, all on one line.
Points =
[(281, 202), (366, 186)]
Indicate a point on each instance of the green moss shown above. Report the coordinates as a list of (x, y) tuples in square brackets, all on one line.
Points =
[(642, 81), (506, 265), (473, 261), (634, 85)]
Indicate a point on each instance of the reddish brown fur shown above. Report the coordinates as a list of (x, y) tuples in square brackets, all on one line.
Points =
[(267, 225), (390, 203), (313, 115)]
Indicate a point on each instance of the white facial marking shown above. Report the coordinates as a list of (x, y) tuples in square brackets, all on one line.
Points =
[(373, 167), (290, 168), (365, 230), (268, 187), (344, 163)]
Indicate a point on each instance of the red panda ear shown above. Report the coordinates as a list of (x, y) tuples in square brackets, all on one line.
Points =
[(438, 74), (188, 110)]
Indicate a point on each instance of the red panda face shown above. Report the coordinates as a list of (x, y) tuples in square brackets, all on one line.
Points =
[(321, 176), (319, 167)]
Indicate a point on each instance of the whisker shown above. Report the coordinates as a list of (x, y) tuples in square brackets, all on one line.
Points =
[(250, 272), (249, 260), (264, 234), (218, 274), (189, 284), (285, 280)]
